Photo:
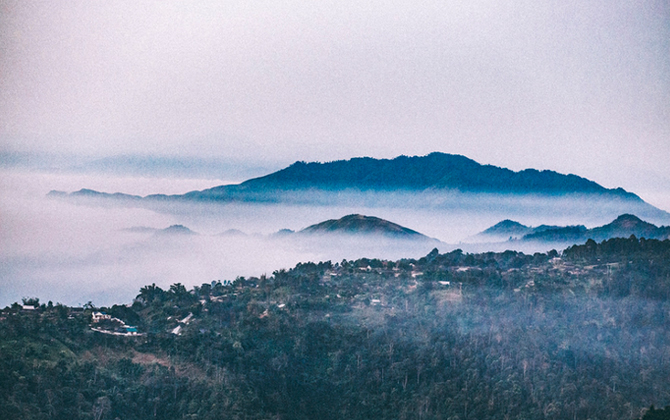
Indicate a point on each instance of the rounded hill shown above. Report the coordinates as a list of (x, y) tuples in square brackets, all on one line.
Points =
[(360, 224)]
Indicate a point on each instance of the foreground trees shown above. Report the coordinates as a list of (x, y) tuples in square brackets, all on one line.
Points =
[(447, 336)]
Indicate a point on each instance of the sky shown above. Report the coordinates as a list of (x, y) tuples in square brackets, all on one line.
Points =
[(574, 86)]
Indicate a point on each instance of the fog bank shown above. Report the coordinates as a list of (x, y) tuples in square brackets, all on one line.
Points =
[(73, 253)]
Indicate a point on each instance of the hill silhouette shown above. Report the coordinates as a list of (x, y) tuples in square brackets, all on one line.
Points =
[(626, 225), (438, 179), (360, 224), (436, 171), (622, 227), (175, 230), (506, 229)]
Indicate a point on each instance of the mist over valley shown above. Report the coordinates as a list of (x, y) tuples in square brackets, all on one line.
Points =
[(101, 247), (334, 210)]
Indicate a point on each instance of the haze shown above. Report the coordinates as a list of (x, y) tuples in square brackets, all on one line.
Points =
[(168, 97), (575, 87), (74, 252)]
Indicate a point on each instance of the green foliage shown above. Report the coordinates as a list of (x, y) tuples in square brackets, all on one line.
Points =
[(455, 335), (31, 301), (654, 414)]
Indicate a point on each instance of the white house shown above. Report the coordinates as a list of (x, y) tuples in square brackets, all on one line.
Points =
[(99, 316)]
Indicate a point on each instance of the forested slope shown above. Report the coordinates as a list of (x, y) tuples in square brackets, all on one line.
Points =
[(578, 335)]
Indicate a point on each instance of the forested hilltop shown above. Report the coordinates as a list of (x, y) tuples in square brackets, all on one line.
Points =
[(580, 334)]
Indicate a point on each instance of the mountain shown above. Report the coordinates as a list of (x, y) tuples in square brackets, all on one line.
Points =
[(505, 229), (509, 229), (626, 225), (622, 227), (436, 171), (175, 230), (283, 233), (438, 180), (367, 225)]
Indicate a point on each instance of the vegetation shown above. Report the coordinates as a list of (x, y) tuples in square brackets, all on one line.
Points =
[(577, 335), (654, 414)]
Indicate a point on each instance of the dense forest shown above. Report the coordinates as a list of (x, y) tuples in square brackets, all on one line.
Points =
[(577, 334)]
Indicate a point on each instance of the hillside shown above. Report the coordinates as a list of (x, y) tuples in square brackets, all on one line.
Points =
[(357, 224), (578, 334)]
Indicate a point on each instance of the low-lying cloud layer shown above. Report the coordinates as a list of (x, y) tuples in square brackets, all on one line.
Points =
[(73, 252)]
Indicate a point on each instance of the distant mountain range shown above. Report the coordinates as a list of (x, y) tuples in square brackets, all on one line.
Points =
[(424, 177), (506, 230), (353, 224), (623, 226), (434, 172)]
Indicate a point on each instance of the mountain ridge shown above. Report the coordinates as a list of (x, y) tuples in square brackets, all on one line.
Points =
[(623, 226), (440, 180), (433, 172)]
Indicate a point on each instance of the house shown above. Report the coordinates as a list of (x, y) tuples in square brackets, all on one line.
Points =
[(99, 316)]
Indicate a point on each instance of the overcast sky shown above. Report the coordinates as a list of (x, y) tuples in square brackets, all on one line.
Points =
[(575, 86)]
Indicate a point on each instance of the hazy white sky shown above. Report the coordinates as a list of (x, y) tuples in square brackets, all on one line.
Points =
[(574, 86)]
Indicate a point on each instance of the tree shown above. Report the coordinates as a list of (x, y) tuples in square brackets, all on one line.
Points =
[(33, 301), (654, 414), (150, 293)]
